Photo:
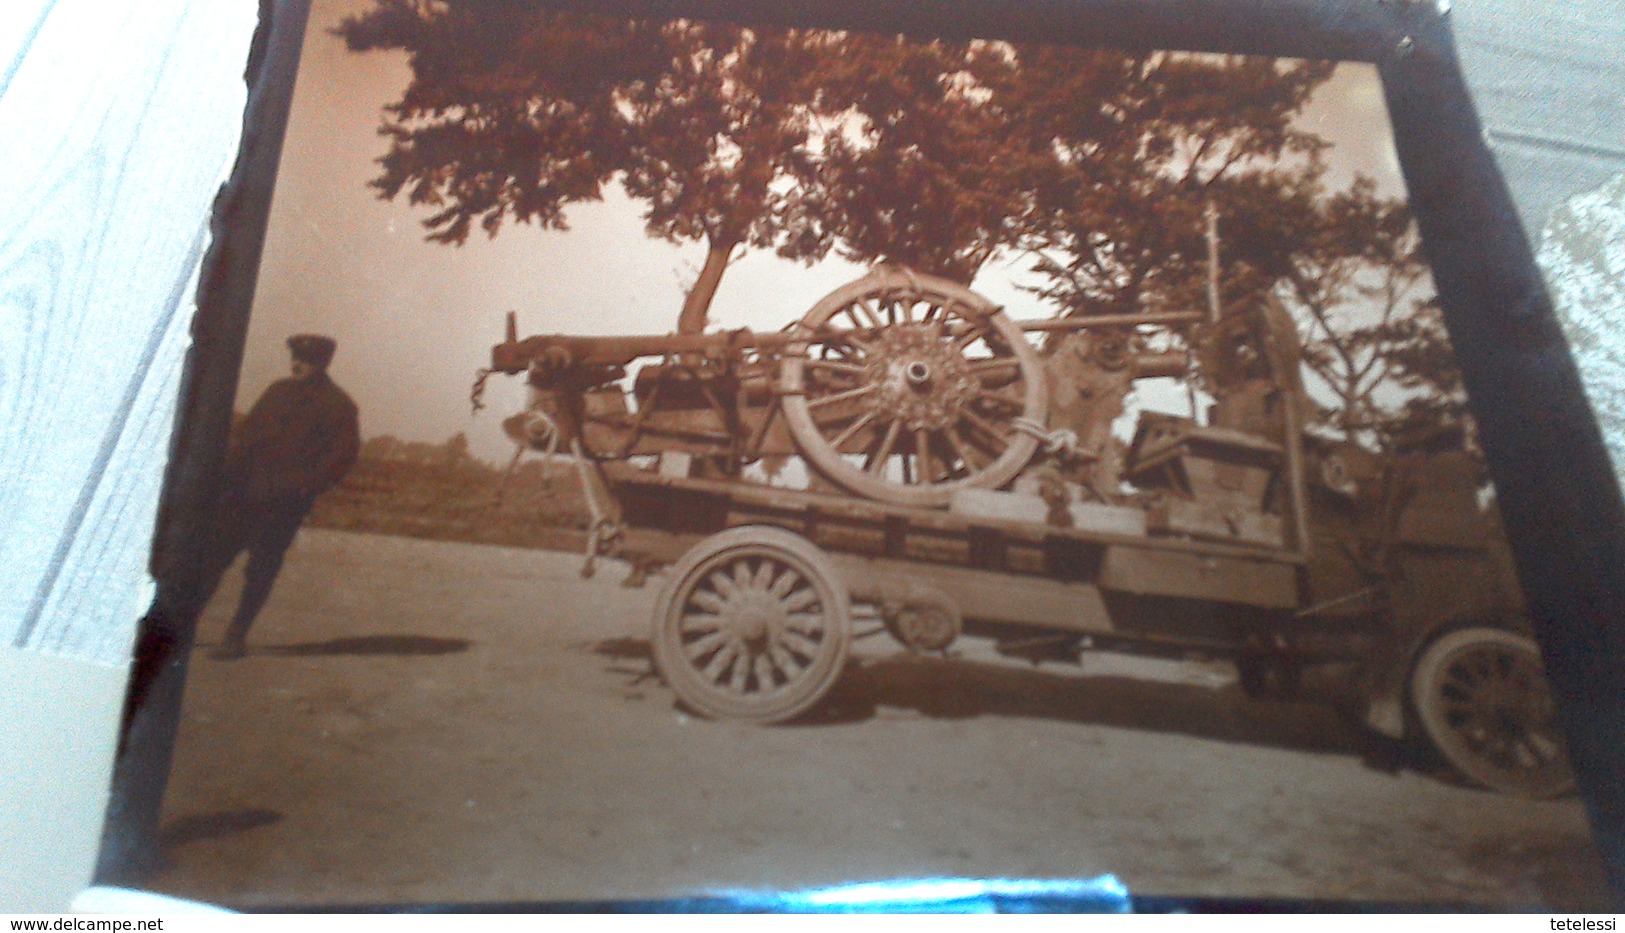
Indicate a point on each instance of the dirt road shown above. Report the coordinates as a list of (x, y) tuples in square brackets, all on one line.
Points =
[(423, 721)]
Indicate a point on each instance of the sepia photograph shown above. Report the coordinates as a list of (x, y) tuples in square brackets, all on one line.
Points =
[(686, 458)]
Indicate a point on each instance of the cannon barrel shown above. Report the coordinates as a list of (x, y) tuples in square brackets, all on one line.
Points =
[(559, 351), (1111, 320), (563, 350)]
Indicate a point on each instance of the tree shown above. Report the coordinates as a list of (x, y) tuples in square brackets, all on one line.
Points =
[(944, 154), (1127, 194), (1373, 337), (920, 164), (930, 154), (517, 112), (455, 451)]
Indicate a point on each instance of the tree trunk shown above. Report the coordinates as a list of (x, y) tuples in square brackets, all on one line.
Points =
[(698, 303)]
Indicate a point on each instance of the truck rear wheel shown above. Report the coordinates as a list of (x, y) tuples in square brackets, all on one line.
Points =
[(1481, 697), (754, 626)]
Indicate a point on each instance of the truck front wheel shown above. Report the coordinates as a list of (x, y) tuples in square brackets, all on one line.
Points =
[(1481, 698), (754, 626)]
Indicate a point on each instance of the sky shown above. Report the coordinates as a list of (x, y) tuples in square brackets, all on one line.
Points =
[(414, 320)]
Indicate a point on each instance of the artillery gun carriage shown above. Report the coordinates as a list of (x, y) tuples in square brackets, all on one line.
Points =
[(906, 446)]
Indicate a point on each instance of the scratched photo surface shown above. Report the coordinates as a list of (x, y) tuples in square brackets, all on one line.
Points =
[(681, 458)]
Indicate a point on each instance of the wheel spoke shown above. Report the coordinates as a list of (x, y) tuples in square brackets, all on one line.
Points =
[(877, 460), (799, 600), (700, 647), (807, 623), (764, 673), (1524, 754), (847, 395), (1548, 748), (844, 347), (922, 454), (981, 424), (981, 369), (852, 429), (723, 585), (800, 644), (1473, 670), (718, 666), (706, 599), (1003, 398), (698, 623), (787, 580), (963, 450), (740, 672), (848, 342), (972, 334), (871, 312), (838, 366), (763, 576), (785, 661)]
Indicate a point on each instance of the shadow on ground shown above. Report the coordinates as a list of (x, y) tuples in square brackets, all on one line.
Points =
[(214, 826), (403, 645), (964, 689)]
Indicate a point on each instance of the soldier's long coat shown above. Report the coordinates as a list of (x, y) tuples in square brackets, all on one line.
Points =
[(300, 438)]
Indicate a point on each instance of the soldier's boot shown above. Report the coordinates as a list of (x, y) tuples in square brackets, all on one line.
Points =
[(229, 651), (233, 646), (258, 578), (235, 643)]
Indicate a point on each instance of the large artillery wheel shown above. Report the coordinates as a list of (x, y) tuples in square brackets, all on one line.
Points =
[(1482, 699), (754, 625), (909, 387)]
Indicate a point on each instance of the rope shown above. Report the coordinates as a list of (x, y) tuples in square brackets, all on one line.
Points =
[(1063, 441), (476, 394)]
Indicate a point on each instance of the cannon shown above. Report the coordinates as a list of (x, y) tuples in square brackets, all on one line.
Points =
[(901, 387), (962, 475)]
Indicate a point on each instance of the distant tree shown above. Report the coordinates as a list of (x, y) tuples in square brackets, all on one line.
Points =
[(514, 111), (1372, 333), (381, 447), (455, 451)]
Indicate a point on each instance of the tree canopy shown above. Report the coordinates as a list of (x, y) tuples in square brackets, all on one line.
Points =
[(931, 154), (1099, 165), (1374, 338), (516, 112)]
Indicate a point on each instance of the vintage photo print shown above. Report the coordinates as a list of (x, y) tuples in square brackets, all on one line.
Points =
[(682, 457)]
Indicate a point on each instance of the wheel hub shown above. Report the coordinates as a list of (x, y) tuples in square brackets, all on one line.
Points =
[(754, 619), (921, 377)]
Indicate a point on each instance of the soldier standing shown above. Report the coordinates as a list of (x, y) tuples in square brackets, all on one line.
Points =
[(300, 438)]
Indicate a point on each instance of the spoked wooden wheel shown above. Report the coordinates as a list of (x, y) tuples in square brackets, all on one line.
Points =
[(1481, 696), (754, 625), (909, 387)]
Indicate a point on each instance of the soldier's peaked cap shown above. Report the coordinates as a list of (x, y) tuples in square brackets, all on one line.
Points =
[(312, 348)]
